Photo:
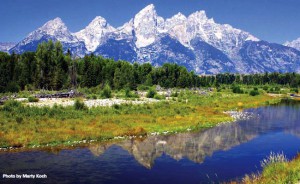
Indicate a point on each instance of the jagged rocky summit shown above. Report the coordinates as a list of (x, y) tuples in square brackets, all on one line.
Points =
[(195, 41)]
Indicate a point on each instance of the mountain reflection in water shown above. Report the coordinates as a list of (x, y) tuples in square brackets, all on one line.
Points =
[(197, 146), (223, 153)]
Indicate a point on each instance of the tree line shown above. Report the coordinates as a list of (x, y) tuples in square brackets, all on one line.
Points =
[(49, 68)]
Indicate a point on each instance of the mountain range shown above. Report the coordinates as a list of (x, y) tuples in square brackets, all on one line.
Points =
[(195, 41), (5, 46)]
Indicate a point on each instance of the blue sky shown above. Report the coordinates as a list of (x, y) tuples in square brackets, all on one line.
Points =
[(271, 20)]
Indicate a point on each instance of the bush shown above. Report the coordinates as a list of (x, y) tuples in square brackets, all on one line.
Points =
[(174, 94), (10, 105), (254, 93), (143, 87), (151, 93), (265, 88), (32, 99), (295, 90), (237, 89), (277, 88), (116, 106), (78, 105), (106, 93), (29, 87), (13, 87), (158, 97), (128, 93), (19, 120)]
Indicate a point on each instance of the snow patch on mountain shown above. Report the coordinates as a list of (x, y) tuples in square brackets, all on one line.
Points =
[(95, 33), (5, 46), (294, 44), (263, 56), (195, 41), (54, 30), (176, 26), (222, 36), (145, 25)]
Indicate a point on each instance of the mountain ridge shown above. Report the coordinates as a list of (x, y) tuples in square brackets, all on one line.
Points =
[(194, 41)]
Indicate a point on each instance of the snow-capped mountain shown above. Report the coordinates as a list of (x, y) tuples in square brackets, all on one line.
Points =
[(294, 44), (197, 25), (95, 33), (146, 25), (263, 56), (5, 46), (54, 30), (176, 26), (195, 41)]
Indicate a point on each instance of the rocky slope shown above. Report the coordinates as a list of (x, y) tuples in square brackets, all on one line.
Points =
[(195, 41)]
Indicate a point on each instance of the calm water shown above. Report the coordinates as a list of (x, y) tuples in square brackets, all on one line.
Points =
[(219, 154)]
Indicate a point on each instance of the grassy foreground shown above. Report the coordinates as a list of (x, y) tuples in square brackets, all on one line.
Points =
[(30, 126), (277, 172)]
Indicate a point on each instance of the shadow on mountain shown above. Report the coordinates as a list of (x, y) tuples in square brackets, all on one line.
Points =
[(118, 50)]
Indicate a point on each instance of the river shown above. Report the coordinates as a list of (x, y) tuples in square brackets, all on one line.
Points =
[(223, 153)]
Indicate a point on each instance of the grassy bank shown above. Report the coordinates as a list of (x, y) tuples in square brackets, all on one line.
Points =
[(27, 126), (278, 171)]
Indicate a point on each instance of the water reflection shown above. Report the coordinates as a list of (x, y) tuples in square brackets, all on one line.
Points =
[(223, 153), (197, 146)]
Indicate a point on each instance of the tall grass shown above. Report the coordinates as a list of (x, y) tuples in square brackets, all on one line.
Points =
[(273, 158), (25, 125), (276, 169)]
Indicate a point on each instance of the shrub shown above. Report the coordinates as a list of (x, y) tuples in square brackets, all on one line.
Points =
[(277, 88), (174, 94), (237, 89), (29, 87), (128, 93), (143, 87), (13, 87), (19, 120), (116, 106), (32, 99), (78, 105), (158, 97), (295, 90), (254, 93), (265, 88), (151, 93), (106, 93), (10, 105)]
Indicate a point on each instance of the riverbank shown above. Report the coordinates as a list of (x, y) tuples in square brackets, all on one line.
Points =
[(30, 126), (279, 171)]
